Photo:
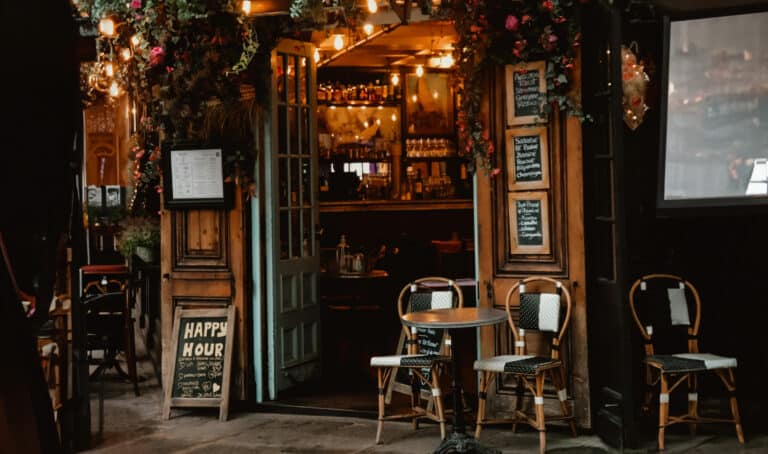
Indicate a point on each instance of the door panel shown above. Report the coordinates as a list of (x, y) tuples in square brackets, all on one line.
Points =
[(291, 205)]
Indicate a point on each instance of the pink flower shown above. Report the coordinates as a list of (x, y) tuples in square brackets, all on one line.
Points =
[(512, 23), (548, 5), (135, 4), (156, 56), (495, 172)]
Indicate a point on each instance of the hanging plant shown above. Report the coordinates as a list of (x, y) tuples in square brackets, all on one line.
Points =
[(508, 33)]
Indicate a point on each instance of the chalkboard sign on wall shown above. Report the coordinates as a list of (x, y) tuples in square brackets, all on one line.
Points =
[(201, 360), (526, 88), (529, 222), (527, 158)]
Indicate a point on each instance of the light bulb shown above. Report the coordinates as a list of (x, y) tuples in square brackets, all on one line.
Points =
[(368, 28), (114, 89), (414, 98), (338, 42), (395, 79), (246, 7), (434, 95), (446, 61), (316, 56), (126, 54), (109, 69), (107, 27), (420, 70), (373, 6), (394, 117), (135, 40)]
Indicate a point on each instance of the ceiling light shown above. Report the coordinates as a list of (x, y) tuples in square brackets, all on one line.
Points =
[(316, 56), (414, 98), (420, 70), (109, 69), (373, 6), (434, 95), (368, 28), (246, 7), (338, 42), (446, 61), (395, 79), (114, 89)]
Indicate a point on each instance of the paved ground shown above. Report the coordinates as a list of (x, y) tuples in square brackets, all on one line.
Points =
[(133, 426)]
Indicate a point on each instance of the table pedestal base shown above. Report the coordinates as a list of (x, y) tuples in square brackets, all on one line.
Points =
[(459, 442)]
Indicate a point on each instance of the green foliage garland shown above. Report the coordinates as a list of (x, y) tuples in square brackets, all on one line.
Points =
[(505, 32)]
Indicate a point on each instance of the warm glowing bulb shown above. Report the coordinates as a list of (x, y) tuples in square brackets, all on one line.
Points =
[(414, 98), (446, 61), (316, 56), (373, 6), (114, 89), (394, 117), (365, 124), (107, 27), (109, 69), (378, 121), (126, 54), (246, 7), (420, 70), (368, 28), (338, 42), (395, 79), (434, 95), (135, 40)]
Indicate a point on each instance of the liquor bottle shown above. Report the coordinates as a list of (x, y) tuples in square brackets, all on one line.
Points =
[(418, 186)]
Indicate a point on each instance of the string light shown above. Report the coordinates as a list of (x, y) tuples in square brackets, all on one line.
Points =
[(126, 54), (368, 28), (446, 61), (338, 42), (114, 89), (246, 7), (107, 27), (373, 6), (419, 70), (135, 40), (109, 69), (316, 56), (395, 79)]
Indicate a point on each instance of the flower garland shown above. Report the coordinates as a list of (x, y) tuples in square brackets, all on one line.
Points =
[(510, 32)]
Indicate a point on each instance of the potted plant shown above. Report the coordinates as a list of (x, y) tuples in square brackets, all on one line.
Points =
[(140, 236)]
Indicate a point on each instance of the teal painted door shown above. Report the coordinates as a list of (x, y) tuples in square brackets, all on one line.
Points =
[(291, 205)]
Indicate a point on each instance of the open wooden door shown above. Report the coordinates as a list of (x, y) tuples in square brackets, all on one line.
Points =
[(291, 215), (530, 221), (203, 265)]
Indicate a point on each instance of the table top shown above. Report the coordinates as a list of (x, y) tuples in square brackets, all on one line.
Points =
[(465, 317), (372, 274)]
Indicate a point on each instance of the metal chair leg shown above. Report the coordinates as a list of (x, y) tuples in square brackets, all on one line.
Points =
[(663, 409), (539, 404)]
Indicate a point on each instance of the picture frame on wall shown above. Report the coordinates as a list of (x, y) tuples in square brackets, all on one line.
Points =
[(529, 222), (429, 105), (527, 158), (526, 92)]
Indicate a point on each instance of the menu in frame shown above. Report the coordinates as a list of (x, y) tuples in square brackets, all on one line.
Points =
[(529, 222), (197, 174), (527, 158), (526, 88)]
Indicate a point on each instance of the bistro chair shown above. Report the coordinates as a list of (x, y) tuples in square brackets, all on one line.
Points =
[(541, 312), (425, 367), (666, 310)]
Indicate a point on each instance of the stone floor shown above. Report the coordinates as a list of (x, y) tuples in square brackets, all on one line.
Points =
[(132, 425)]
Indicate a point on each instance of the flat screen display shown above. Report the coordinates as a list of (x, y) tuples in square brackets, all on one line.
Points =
[(715, 134)]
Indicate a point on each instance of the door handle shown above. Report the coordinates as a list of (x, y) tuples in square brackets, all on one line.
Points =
[(166, 276)]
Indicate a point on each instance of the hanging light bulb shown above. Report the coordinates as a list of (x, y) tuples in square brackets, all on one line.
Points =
[(373, 6), (434, 94), (338, 42), (107, 27), (245, 7), (395, 79), (316, 56), (368, 28), (126, 54), (135, 40), (109, 69), (420, 70), (446, 61), (114, 89)]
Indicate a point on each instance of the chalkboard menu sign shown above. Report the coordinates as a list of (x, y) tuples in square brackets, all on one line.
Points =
[(430, 342), (202, 356), (526, 89), (527, 158), (529, 222)]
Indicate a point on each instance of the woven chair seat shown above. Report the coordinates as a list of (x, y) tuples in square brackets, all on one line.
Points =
[(407, 360), (691, 362), (515, 364)]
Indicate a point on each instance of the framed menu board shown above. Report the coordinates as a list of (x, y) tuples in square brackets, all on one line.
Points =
[(201, 360), (526, 88), (193, 176), (529, 222), (527, 158)]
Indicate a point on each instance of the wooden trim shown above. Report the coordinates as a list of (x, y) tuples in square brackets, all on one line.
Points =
[(541, 133), (395, 205)]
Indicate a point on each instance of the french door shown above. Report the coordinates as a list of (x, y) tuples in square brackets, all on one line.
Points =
[(292, 210)]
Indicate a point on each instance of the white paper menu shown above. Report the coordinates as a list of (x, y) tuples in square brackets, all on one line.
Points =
[(197, 174)]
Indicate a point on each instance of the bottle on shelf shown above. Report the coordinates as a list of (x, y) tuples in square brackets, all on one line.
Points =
[(418, 186), (342, 254)]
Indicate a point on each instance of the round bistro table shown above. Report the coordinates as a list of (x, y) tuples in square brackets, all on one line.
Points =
[(450, 319)]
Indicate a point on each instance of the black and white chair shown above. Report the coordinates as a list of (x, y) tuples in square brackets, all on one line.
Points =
[(422, 294), (543, 312), (666, 311)]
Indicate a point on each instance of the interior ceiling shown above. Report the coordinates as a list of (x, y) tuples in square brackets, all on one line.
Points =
[(389, 45)]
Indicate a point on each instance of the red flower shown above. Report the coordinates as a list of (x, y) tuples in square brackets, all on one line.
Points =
[(512, 23), (525, 19), (135, 4), (548, 5), (559, 19), (156, 56)]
